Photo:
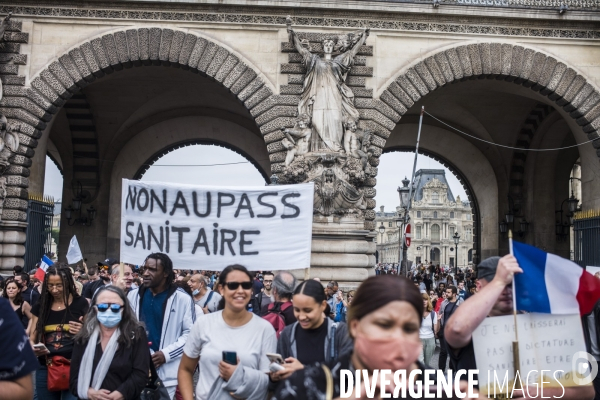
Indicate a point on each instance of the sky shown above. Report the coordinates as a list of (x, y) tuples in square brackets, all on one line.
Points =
[(393, 167)]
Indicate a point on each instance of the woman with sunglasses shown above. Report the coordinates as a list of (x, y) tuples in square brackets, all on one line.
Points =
[(111, 359), (235, 330), (57, 318)]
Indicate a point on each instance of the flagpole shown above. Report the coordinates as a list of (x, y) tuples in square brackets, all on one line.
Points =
[(515, 343)]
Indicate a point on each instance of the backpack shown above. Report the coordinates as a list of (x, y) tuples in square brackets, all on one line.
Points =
[(275, 315)]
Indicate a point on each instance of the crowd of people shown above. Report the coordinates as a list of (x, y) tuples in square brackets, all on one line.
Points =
[(116, 331)]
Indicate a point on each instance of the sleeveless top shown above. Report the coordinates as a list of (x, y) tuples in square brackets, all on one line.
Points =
[(21, 316)]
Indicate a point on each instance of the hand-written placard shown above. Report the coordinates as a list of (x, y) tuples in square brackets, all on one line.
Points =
[(208, 228), (547, 343)]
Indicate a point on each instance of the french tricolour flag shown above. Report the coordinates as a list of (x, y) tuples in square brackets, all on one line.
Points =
[(41, 271), (551, 284)]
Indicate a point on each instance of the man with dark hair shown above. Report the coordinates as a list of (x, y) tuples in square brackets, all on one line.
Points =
[(493, 298), (168, 313), (17, 270), (257, 285), (104, 268), (265, 297), (27, 291), (448, 308), (331, 291)]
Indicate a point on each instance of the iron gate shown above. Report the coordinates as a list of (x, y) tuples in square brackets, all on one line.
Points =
[(40, 213), (586, 229)]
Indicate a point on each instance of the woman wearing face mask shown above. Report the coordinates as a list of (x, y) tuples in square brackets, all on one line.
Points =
[(22, 308), (231, 329), (57, 318), (110, 357), (384, 320), (313, 338)]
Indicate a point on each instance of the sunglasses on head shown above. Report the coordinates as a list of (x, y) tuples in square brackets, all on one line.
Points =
[(235, 285), (103, 307)]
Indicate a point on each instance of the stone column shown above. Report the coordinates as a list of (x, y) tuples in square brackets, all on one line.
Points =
[(342, 250)]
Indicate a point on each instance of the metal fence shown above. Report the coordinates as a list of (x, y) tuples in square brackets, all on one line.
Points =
[(39, 230), (587, 241)]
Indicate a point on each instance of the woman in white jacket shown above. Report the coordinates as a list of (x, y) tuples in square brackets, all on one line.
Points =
[(232, 329)]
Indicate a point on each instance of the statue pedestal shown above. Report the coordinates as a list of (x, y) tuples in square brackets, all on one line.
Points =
[(342, 250)]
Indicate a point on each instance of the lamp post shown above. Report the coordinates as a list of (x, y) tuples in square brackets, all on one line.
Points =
[(405, 194), (456, 238), (382, 231)]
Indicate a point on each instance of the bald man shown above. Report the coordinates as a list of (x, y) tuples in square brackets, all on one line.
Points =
[(203, 296)]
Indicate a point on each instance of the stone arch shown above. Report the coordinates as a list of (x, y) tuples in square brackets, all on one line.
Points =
[(513, 63), (462, 179), (156, 156), (30, 109), (525, 136)]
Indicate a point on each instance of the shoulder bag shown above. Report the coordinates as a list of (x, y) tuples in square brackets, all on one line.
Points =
[(155, 389), (58, 373)]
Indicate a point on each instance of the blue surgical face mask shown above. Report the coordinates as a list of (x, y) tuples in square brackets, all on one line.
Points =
[(195, 292), (109, 319)]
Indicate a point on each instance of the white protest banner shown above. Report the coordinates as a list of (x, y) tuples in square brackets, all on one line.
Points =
[(548, 345), (210, 227)]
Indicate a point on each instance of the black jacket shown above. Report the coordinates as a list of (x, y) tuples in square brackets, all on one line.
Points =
[(128, 372), (586, 328)]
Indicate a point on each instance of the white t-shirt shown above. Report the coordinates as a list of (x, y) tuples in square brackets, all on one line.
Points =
[(427, 327), (210, 336), (213, 304)]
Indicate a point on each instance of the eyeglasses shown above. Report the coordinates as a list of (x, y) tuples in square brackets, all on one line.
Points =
[(267, 281), (103, 307), (59, 286), (235, 285)]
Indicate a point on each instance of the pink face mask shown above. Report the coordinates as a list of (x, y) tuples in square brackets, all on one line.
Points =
[(394, 353)]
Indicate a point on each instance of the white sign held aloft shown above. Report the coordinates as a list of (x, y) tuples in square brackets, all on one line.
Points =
[(211, 227), (74, 252), (548, 345)]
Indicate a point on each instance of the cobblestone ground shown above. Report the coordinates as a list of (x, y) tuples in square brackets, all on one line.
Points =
[(436, 356)]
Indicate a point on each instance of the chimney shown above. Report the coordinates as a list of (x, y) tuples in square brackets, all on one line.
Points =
[(381, 208)]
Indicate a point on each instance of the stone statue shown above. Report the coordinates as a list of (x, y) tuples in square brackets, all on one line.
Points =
[(8, 140), (336, 196), (325, 96), (300, 145), (3, 26), (356, 143)]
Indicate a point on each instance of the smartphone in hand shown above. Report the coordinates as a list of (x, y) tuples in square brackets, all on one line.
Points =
[(275, 358), (230, 357), (40, 346)]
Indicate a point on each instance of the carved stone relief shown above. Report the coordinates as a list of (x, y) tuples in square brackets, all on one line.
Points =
[(326, 145), (9, 140)]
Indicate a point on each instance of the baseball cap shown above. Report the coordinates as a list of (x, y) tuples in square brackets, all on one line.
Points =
[(108, 262), (487, 268)]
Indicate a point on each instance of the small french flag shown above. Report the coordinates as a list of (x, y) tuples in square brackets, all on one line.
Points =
[(551, 284), (41, 271)]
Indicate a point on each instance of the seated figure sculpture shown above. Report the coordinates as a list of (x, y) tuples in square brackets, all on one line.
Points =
[(297, 139), (356, 142)]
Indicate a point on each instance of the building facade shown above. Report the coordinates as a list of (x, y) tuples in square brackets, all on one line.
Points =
[(435, 217), (106, 88)]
